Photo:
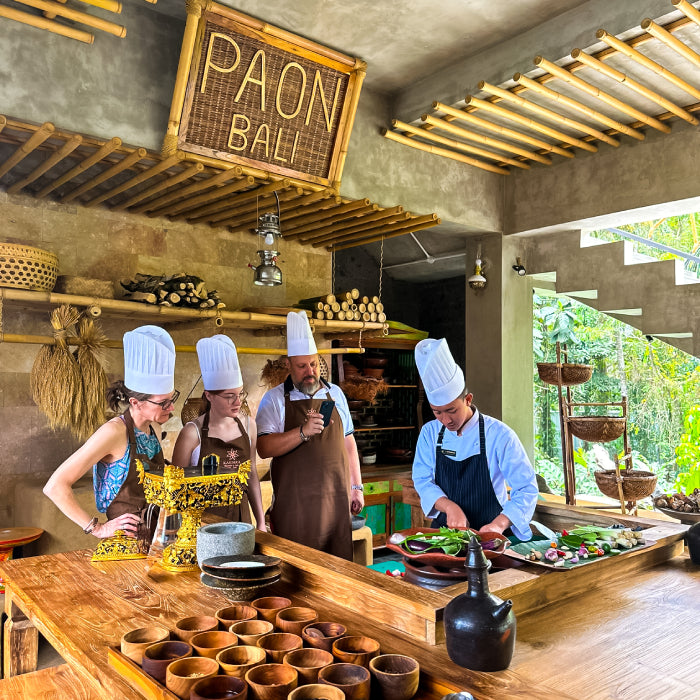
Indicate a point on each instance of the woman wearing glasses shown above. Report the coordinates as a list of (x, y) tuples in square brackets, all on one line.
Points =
[(219, 430), (111, 451)]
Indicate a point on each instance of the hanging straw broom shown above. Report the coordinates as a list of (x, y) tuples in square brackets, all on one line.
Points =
[(54, 379), (90, 411)]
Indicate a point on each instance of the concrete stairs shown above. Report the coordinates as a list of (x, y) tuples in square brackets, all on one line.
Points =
[(656, 296)]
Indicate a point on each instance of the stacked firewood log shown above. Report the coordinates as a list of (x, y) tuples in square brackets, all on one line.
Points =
[(345, 306), (180, 290)]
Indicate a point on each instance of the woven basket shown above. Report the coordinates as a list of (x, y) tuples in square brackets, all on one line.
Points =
[(571, 374), (597, 428), (635, 484), (24, 267)]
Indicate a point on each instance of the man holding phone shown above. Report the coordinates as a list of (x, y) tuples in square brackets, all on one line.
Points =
[(304, 424)]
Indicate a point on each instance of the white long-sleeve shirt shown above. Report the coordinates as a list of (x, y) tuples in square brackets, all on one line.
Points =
[(507, 460)]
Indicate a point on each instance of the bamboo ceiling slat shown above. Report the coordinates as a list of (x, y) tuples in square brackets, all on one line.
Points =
[(56, 8), (688, 10), (663, 35), (46, 24), (109, 5), (134, 180), (383, 233), (432, 136)]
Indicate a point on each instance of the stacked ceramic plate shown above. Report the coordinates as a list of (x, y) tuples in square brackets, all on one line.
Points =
[(240, 577)]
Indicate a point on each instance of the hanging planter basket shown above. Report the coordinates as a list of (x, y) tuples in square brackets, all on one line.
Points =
[(635, 484), (597, 428), (571, 374)]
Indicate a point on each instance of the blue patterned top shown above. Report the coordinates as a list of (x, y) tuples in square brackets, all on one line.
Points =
[(108, 477)]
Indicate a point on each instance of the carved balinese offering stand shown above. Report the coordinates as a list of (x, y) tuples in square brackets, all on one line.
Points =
[(190, 496)]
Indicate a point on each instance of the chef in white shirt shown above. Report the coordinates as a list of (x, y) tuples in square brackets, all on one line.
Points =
[(464, 459)]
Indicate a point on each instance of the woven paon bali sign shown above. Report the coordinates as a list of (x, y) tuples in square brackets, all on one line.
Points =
[(261, 97)]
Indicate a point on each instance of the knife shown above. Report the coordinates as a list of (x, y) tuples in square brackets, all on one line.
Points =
[(544, 530)]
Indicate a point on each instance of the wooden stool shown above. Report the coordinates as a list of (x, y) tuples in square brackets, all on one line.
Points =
[(11, 537), (362, 546)]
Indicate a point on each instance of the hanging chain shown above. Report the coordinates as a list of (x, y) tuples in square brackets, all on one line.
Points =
[(333, 272), (381, 268)]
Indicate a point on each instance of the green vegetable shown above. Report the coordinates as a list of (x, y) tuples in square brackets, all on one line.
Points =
[(572, 541), (452, 542)]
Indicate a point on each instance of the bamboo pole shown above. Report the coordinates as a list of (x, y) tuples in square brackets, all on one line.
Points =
[(136, 180), (124, 164), (620, 77), (297, 207), (57, 8), (667, 38), (49, 163), (451, 143), (51, 15), (295, 215), (47, 24), (392, 136), (687, 9), (44, 132), (487, 106), (592, 90), (203, 184), (344, 211), (211, 199), (388, 228), (352, 223), (249, 218), (380, 218), (509, 96), (109, 5), (191, 171), (379, 236), (503, 130), (645, 61), (537, 87), (480, 138), (96, 157), (337, 211), (3, 122)]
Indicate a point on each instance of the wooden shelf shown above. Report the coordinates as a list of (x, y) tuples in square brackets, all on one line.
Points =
[(393, 427), (402, 386)]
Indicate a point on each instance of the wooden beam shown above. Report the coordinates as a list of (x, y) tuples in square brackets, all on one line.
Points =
[(592, 90), (47, 24), (623, 79), (191, 171), (44, 132), (509, 96), (451, 143), (65, 150)]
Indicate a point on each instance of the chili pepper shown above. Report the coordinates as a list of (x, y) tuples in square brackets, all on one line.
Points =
[(560, 553), (564, 533), (600, 553)]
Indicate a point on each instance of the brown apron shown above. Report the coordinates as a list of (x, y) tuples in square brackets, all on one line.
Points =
[(231, 455), (312, 484), (130, 497)]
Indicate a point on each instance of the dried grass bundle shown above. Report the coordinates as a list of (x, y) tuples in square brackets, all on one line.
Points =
[(274, 372), (90, 356), (55, 380), (363, 388)]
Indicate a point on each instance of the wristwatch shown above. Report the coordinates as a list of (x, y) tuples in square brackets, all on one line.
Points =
[(357, 487), (304, 438)]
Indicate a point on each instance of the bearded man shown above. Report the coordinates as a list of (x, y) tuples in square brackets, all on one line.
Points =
[(315, 470)]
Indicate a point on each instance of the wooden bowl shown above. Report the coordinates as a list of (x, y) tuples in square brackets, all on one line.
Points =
[(249, 631), (182, 674), (209, 644), (321, 635), (219, 688), (308, 662), (355, 650), (158, 657), (272, 681), (353, 680), (238, 660), (235, 613), (267, 608), (187, 627), (135, 642), (397, 675), (294, 619), (278, 644), (316, 691)]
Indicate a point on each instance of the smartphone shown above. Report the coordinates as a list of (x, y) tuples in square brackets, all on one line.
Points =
[(326, 411)]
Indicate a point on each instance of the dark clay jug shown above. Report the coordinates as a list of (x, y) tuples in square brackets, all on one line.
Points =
[(693, 539), (479, 627)]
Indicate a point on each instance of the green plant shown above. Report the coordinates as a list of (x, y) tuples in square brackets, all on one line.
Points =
[(688, 453)]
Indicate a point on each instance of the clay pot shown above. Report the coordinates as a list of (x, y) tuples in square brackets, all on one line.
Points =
[(158, 657), (308, 662), (267, 608), (397, 676), (238, 660), (278, 644), (187, 627), (355, 650), (321, 635), (235, 613), (375, 372), (294, 619), (182, 674), (219, 688), (693, 539), (353, 680), (209, 644), (272, 681), (135, 642), (316, 691), (376, 361), (249, 631)]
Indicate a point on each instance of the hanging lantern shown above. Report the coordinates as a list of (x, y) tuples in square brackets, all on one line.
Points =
[(267, 274)]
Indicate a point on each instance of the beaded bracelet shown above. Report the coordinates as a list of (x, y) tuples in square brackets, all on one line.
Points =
[(91, 526)]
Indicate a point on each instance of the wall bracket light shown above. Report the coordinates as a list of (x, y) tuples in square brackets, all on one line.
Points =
[(477, 280), (519, 267)]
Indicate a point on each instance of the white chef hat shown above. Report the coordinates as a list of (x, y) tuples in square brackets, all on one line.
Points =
[(442, 378), (149, 360), (300, 339), (218, 361)]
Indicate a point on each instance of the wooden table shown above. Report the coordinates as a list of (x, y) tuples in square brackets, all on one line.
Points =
[(634, 638), (11, 537)]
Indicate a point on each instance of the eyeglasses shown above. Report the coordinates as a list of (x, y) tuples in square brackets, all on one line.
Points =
[(168, 403), (233, 397)]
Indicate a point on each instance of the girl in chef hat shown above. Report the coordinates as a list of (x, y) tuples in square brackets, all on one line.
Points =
[(148, 395), (219, 432)]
